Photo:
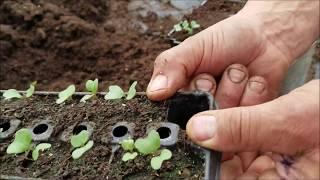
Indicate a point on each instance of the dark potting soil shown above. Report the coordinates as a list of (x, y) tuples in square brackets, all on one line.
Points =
[(57, 163), (59, 42)]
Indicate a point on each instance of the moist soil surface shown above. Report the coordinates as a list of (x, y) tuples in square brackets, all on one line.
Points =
[(57, 163), (59, 42)]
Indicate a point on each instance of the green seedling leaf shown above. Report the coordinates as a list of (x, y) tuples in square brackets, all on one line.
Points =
[(177, 27), (185, 24), (80, 139), (194, 24), (76, 154), (39, 147), (132, 91), (156, 162), (149, 144), (31, 89), (129, 156), (66, 94), (127, 145), (86, 97), (92, 86), (11, 93), (115, 92), (21, 143)]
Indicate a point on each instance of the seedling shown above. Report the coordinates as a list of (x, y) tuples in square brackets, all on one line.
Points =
[(132, 91), (92, 87), (186, 26), (80, 139), (66, 94), (76, 154), (148, 145), (129, 156), (157, 161), (79, 142), (127, 145), (39, 147), (21, 143), (115, 92), (31, 89), (13, 93)]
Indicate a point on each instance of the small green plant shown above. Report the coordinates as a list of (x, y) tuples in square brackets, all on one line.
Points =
[(13, 93), (21, 143), (157, 161), (66, 94), (115, 92), (92, 87), (148, 145), (80, 139), (39, 147), (81, 144), (31, 89), (186, 26), (127, 145), (77, 153), (129, 156)]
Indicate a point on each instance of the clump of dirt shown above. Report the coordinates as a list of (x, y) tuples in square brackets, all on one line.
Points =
[(58, 42), (57, 161)]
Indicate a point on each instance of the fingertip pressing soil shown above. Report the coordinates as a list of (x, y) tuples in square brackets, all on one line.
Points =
[(57, 162)]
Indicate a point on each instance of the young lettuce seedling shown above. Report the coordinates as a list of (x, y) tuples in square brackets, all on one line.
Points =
[(148, 145), (13, 93), (79, 142), (186, 26), (66, 94), (80, 139), (115, 92), (92, 87), (127, 144), (39, 147), (129, 156), (31, 89), (157, 161), (21, 143)]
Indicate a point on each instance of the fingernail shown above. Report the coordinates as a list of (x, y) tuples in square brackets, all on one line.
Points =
[(236, 75), (204, 127), (158, 83), (257, 87), (204, 85)]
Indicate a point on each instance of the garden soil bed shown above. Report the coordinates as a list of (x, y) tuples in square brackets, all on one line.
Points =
[(56, 163), (59, 42)]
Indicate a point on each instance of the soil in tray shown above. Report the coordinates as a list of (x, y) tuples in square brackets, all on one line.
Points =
[(57, 161)]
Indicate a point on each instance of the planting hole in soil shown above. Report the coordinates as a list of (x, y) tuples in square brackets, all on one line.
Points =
[(41, 128), (184, 105), (78, 129), (164, 132), (4, 126), (120, 131)]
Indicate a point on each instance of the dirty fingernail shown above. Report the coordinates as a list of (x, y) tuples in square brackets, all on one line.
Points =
[(257, 87), (236, 75), (204, 85), (158, 83), (203, 127)]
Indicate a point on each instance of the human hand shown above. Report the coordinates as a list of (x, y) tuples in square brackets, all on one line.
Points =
[(287, 126)]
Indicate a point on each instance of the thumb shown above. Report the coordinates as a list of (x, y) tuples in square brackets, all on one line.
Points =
[(209, 51), (287, 125)]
